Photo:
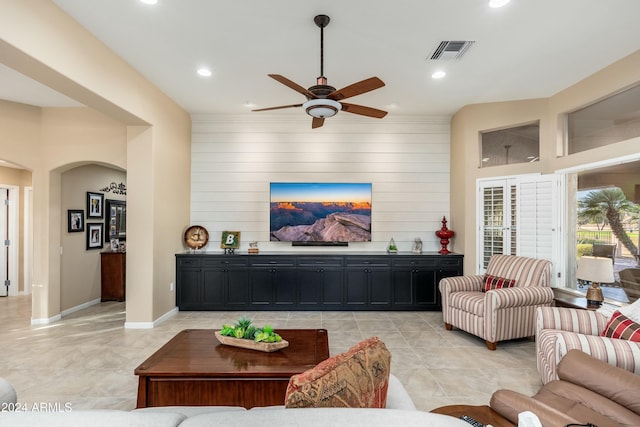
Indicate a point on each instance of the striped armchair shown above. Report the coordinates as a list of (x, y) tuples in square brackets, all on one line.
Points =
[(560, 329), (499, 314)]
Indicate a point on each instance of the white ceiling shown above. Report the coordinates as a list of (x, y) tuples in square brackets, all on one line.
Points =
[(527, 49)]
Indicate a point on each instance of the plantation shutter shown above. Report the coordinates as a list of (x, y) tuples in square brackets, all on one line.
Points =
[(517, 217), (535, 213)]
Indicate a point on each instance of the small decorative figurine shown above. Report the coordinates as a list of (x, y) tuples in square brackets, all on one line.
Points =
[(417, 246), (444, 234), (253, 248)]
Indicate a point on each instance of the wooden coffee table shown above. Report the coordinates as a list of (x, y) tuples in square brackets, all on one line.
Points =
[(194, 369), (483, 414)]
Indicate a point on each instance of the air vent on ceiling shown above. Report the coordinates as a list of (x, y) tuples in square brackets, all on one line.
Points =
[(451, 49)]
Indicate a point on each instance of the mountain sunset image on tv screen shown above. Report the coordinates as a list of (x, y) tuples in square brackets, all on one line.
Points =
[(320, 212)]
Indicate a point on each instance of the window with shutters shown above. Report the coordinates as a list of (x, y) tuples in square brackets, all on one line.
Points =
[(517, 217)]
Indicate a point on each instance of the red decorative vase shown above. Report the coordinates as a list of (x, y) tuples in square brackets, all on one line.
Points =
[(444, 234)]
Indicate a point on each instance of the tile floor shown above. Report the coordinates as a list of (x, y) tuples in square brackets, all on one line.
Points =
[(87, 359)]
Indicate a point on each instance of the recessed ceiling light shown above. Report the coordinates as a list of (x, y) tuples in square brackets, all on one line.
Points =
[(438, 74), (149, 1), (249, 104), (498, 3), (204, 72)]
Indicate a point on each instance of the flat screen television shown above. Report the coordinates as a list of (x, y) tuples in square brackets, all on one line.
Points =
[(320, 212)]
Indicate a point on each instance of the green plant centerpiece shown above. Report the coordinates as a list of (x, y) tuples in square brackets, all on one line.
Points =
[(244, 334)]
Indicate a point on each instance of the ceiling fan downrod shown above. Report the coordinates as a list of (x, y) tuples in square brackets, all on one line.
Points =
[(322, 21)]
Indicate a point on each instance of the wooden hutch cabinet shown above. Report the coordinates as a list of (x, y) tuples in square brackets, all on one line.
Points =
[(113, 266)]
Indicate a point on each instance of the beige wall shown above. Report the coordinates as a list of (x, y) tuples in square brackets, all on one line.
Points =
[(39, 40), (467, 124), (80, 268)]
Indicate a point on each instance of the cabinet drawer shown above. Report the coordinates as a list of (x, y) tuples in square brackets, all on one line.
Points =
[(269, 261), (189, 262), (368, 262), (446, 262), (416, 262), (320, 261), (224, 261)]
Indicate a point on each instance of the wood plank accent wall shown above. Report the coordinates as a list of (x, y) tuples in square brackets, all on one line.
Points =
[(234, 158)]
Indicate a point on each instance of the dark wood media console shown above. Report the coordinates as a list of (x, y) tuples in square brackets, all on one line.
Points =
[(285, 281)]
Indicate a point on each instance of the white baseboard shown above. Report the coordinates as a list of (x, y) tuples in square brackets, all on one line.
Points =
[(57, 317), (151, 325), (80, 307), (46, 321)]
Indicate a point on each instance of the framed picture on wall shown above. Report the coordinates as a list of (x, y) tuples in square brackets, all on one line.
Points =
[(94, 235), (115, 219), (95, 205), (75, 220)]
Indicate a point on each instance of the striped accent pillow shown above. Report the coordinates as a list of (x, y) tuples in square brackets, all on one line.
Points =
[(620, 326), (495, 282)]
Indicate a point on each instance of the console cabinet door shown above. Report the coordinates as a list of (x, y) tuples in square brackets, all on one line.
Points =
[(332, 289), (320, 282), (261, 286), (310, 281), (284, 283), (427, 293), (379, 288), (189, 289), (225, 282), (237, 288), (403, 287), (368, 282), (213, 287), (188, 283), (357, 282)]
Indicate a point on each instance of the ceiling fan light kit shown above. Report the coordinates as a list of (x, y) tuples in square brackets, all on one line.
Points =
[(322, 108), (322, 99)]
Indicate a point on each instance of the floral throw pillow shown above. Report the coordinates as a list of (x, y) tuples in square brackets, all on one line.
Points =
[(358, 378), (621, 327), (495, 282)]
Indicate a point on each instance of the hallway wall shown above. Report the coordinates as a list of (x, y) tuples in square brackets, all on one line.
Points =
[(80, 268)]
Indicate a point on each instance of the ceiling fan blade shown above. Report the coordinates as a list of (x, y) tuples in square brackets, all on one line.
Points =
[(361, 87), (278, 108), (292, 85), (363, 111), (317, 122)]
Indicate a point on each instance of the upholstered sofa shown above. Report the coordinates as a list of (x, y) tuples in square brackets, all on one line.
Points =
[(502, 313), (587, 391), (400, 410), (560, 329)]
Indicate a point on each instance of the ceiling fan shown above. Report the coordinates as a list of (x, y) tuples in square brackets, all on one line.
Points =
[(323, 100)]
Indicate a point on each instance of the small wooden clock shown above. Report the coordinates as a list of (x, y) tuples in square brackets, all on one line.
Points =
[(196, 237)]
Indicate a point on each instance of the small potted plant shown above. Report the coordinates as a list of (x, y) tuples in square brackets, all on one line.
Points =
[(392, 248)]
